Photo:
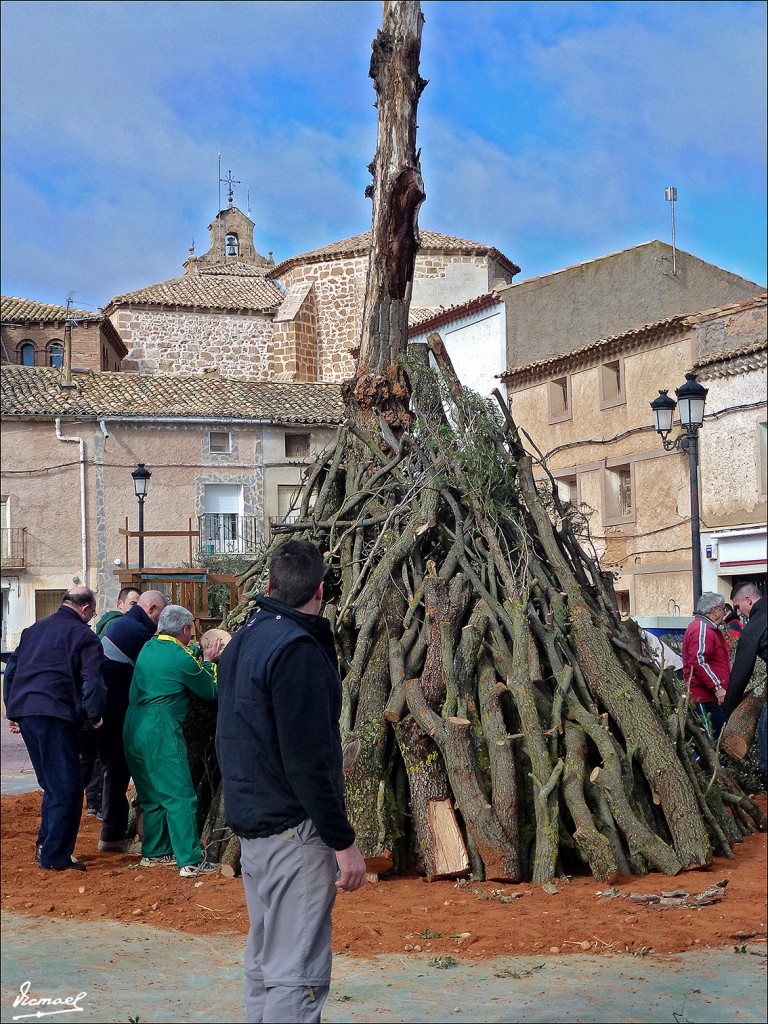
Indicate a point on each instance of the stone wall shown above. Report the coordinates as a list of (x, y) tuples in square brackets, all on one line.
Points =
[(339, 293), (165, 341), (294, 341)]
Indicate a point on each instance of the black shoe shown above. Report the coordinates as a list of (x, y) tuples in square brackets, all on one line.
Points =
[(94, 812), (76, 865)]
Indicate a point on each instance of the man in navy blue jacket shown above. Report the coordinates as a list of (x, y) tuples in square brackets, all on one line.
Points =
[(122, 643), (54, 686), (279, 747)]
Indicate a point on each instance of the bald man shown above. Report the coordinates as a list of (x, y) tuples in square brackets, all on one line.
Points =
[(122, 644), (53, 687)]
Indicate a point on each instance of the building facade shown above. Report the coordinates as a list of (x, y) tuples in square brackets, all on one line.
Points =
[(555, 313), (34, 334), (300, 320), (588, 414), (227, 459)]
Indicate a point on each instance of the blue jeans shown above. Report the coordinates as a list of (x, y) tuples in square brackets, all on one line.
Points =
[(713, 717), (54, 750)]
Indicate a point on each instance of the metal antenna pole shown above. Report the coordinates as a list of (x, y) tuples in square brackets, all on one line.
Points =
[(670, 194), (218, 208), (67, 368)]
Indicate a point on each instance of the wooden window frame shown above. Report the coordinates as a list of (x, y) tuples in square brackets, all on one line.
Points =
[(609, 401), (611, 516), (555, 388)]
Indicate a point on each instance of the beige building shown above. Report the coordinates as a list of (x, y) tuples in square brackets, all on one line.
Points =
[(226, 457), (33, 334), (555, 313), (300, 320), (587, 410)]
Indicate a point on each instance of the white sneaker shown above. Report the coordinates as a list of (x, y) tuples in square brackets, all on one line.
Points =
[(156, 862), (193, 870)]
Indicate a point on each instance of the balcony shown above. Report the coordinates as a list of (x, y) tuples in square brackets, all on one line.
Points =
[(225, 533), (13, 541), (280, 524)]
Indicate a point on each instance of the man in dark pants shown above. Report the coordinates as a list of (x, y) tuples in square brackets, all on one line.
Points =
[(90, 761), (279, 747), (122, 644), (753, 644), (52, 683)]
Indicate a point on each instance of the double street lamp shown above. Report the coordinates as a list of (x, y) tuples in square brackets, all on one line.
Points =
[(691, 397), (141, 477)]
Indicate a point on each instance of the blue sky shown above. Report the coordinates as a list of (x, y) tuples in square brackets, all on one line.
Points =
[(548, 130)]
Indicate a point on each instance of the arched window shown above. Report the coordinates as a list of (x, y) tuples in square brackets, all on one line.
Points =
[(27, 353), (232, 245), (56, 354)]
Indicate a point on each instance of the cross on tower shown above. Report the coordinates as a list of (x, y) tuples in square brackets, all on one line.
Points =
[(230, 182)]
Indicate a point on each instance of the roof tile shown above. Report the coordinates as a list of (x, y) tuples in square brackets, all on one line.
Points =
[(36, 392), (27, 311), (233, 286), (360, 245)]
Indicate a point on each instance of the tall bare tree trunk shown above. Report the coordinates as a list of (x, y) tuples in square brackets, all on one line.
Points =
[(379, 388)]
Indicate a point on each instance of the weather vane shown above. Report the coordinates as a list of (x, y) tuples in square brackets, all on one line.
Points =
[(230, 182)]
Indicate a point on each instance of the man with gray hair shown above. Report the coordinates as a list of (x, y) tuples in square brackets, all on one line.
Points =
[(169, 672), (753, 644), (706, 664)]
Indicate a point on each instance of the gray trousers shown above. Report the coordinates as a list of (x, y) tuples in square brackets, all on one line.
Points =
[(290, 889)]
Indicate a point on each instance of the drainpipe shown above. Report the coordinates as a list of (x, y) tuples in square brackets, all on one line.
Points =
[(83, 522)]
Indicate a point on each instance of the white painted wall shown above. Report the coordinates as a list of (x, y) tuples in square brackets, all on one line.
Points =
[(477, 347)]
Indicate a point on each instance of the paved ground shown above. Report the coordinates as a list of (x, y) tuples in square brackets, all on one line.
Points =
[(135, 972), (129, 971)]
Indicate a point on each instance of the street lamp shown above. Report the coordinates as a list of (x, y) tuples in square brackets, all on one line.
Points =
[(691, 397), (141, 477)]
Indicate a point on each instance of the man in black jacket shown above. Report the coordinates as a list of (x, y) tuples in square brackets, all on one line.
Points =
[(279, 748), (753, 644), (53, 686), (122, 643)]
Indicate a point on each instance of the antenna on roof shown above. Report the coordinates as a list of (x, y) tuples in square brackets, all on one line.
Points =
[(66, 375), (248, 201), (670, 194), (218, 208)]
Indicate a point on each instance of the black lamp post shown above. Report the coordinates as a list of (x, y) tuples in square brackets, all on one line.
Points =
[(691, 397), (141, 477)]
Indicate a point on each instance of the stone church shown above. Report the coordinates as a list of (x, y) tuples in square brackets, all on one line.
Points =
[(235, 312)]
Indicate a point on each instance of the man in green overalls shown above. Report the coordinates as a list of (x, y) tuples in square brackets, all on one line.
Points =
[(168, 672)]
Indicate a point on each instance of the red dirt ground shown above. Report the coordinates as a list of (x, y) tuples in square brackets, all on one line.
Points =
[(398, 914)]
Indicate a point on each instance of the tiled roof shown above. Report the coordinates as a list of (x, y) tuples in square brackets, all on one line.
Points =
[(359, 245), (420, 314), (440, 317), (36, 392), (743, 354), (634, 337), (646, 332), (231, 286), (27, 311)]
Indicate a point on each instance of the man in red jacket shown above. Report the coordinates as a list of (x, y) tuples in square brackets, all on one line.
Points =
[(706, 664)]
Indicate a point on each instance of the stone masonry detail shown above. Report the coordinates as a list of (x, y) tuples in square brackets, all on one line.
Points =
[(165, 341)]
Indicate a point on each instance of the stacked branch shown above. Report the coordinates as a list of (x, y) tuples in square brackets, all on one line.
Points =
[(498, 713)]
